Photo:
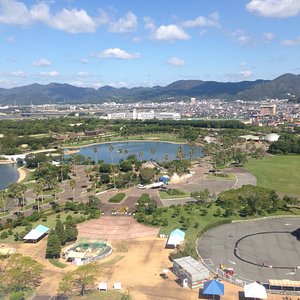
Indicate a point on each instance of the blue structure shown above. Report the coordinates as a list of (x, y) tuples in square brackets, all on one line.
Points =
[(165, 179), (213, 287)]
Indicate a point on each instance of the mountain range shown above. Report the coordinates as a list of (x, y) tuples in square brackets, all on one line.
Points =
[(280, 87)]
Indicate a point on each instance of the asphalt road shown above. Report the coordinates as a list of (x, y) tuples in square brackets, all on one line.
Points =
[(260, 244)]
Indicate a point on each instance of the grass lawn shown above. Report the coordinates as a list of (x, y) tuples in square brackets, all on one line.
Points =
[(280, 173), (50, 223), (181, 194), (118, 198), (109, 295), (228, 177), (56, 263), (190, 219)]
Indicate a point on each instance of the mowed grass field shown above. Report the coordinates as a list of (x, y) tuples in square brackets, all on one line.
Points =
[(281, 173)]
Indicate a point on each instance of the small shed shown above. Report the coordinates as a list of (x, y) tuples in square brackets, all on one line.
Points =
[(176, 238), (36, 234), (117, 286), (190, 272), (102, 286)]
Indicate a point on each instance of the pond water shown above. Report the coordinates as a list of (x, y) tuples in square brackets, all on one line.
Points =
[(121, 150), (8, 174)]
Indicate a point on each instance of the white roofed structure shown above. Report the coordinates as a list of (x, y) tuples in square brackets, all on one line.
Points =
[(36, 234), (176, 238)]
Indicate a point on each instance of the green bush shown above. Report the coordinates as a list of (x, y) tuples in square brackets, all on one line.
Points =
[(117, 198), (4, 235), (16, 296), (174, 192)]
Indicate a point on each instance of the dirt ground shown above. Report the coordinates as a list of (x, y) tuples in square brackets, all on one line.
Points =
[(138, 271), (115, 228)]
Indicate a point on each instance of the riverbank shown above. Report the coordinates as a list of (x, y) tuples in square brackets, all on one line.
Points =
[(22, 174)]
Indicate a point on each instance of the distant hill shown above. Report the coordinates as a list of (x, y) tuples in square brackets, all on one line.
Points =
[(182, 89)]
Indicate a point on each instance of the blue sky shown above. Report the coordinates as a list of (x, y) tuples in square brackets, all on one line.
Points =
[(126, 43)]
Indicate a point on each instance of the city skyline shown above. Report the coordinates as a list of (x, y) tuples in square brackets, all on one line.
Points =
[(126, 44)]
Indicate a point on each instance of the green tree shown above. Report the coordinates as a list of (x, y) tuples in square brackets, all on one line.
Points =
[(180, 153), (80, 281), (3, 199), (14, 191), (71, 230), (21, 273), (72, 183), (60, 231), (147, 174), (153, 152), (53, 245), (96, 154), (23, 189)]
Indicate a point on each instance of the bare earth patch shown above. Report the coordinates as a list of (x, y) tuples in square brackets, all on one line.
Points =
[(115, 228)]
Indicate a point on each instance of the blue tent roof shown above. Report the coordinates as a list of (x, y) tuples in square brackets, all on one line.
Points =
[(213, 287), (41, 229), (177, 232)]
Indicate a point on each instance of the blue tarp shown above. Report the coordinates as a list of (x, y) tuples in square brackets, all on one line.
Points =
[(213, 287), (41, 229)]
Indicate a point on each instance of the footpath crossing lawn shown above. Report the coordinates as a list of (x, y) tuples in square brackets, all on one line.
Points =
[(281, 173)]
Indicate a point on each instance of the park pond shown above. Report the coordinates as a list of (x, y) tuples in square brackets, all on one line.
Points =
[(159, 151), (8, 174)]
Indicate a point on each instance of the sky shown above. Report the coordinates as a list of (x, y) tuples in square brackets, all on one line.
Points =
[(128, 43)]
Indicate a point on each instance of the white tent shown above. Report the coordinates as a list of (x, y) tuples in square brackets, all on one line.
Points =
[(117, 286), (255, 290), (102, 286)]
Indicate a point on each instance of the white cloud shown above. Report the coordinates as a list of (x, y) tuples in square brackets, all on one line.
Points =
[(175, 61), (118, 84), (118, 53), (240, 37), (42, 62), (72, 21), (269, 37), (274, 8), (49, 74), (294, 42), (211, 21), (126, 24), (245, 74), (20, 74), (149, 23), (11, 39), (84, 61), (170, 33), (83, 74), (14, 12)]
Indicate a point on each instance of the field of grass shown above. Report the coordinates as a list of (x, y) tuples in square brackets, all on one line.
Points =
[(117, 198), (56, 263), (50, 223), (176, 195), (97, 295), (280, 173), (228, 177), (192, 220)]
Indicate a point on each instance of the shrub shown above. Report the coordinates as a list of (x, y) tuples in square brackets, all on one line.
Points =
[(4, 235)]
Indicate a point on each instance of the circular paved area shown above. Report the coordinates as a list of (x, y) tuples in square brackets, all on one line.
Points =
[(251, 247), (115, 228)]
